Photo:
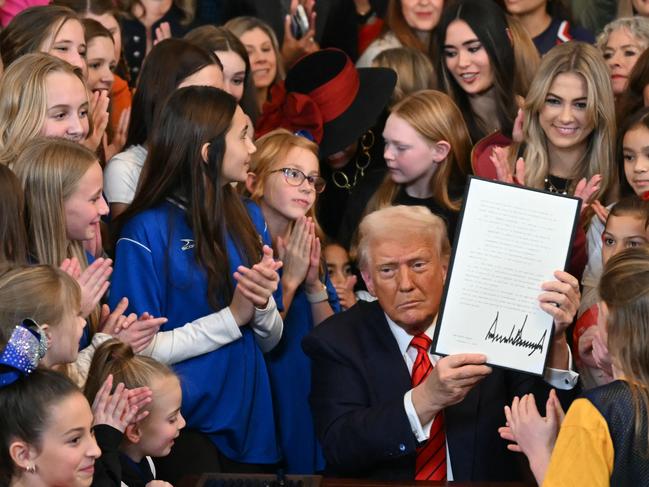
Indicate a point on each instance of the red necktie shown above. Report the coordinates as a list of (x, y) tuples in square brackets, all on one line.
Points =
[(431, 457)]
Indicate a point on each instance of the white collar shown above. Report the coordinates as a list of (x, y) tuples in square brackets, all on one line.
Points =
[(402, 337)]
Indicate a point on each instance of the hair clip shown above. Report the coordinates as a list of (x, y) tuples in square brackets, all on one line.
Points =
[(25, 348), (306, 134)]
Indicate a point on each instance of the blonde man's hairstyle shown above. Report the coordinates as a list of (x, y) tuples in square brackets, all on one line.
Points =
[(41, 292), (624, 287), (240, 25), (435, 117), (272, 153), (401, 222), (585, 61), (49, 170), (637, 26), (23, 101), (117, 358), (414, 70)]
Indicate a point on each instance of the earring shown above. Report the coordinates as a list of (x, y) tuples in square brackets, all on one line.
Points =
[(30, 468)]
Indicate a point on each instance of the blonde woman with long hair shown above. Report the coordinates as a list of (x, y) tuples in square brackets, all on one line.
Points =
[(568, 127), (427, 148)]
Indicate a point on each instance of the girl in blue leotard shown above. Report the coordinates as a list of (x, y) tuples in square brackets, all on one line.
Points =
[(285, 183), (189, 250)]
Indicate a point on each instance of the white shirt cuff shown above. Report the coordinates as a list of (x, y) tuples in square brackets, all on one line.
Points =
[(421, 432), (562, 379)]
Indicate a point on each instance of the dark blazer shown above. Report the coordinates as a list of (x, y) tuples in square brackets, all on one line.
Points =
[(359, 380)]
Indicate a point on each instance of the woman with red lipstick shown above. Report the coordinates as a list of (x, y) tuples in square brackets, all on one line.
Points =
[(622, 42), (285, 182), (408, 23), (477, 67)]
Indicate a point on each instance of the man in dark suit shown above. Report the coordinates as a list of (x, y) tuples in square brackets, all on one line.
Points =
[(369, 417)]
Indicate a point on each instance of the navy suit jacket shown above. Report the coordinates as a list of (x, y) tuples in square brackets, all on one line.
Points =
[(359, 380)]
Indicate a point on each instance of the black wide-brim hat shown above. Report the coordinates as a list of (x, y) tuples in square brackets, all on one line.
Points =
[(349, 100)]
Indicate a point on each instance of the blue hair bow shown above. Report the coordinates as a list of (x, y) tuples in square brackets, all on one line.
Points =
[(26, 346)]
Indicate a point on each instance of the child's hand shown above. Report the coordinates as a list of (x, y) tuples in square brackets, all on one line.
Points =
[(114, 409), (345, 293), (94, 283), (110, 322), (138, 332), (71, 267), (600, 210), (296, 253), (312, 281), (119, 136), (99, 112), (585, 190), (534, 435), (258, 283)]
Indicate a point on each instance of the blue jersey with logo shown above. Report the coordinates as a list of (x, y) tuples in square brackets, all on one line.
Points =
[(226, 393)]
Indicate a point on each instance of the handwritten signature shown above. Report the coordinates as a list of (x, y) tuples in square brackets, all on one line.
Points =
[(515, 337)]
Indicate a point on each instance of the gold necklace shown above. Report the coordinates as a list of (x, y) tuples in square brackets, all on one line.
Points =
[(363, 160)]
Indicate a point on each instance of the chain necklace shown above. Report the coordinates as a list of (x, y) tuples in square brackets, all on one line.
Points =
[(553, 184), (363, 160)]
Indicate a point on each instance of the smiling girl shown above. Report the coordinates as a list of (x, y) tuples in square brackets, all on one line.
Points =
[(50, 29), (46, 436), (285, 182), (41, 95), (477, 67), (154, 435)]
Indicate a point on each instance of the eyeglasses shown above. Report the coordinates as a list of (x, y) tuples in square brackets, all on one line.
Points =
[(295, 177)]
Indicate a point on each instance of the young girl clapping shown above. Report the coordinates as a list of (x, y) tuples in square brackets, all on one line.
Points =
[(285, 183)]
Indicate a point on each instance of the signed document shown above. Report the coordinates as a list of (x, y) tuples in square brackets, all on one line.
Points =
[(510, 240)]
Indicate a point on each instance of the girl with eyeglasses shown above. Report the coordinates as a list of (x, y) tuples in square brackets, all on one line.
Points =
[(285, 182)]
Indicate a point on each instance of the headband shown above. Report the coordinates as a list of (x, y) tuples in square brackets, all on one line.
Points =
[(25, 348)]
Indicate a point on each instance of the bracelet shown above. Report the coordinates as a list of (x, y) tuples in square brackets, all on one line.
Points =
[(318, 297)]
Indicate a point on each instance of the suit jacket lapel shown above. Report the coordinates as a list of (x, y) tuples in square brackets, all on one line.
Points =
[(384, 357)]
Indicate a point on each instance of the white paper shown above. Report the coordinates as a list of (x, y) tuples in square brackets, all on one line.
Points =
[(511, 240)]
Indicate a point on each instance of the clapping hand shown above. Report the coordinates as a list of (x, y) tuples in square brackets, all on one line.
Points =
[(254, 286), (120, 408), (531, 433), (296, 253)]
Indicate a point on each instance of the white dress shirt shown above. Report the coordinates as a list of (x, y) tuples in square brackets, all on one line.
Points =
[(560, 379)]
